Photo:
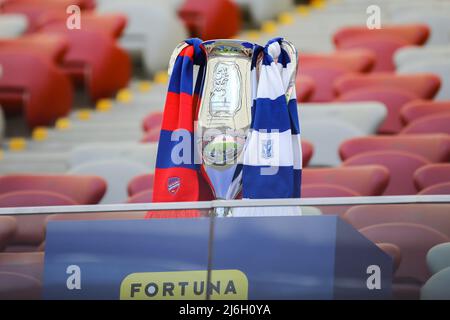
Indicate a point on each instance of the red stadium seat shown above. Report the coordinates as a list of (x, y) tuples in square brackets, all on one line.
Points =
[(33, 86), (414, 241), (16, 286), (324, 190), (135, 215), (30, 228), (36, 11), (393, 99), (432, 174), (151, 135), (440, 188), (422, 108), (439, 123), (422, 85), (140, 183), (323, 78), (151, 121), (412, 33), (393, 251), (145, 196), (358, 60), (307, 152), (305, 87), (213, 19), (94, 58), (401, 166), (434, 147), (8, 227), (436, 216), (29, 263), (365, 180), (81, 189), (384, 47)]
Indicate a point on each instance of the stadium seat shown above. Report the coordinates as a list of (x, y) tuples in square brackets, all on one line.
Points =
[(401, 166), (323, 77), (438, 257), (432, 174), (81, 189), (393, 251), (16, 286), (151, 121), (151, 136), (307, 152), (323, 190), (8, 227), (305, 87), (215, 19), (145, 196), (48, 90), (29, 263), (436, 288), (142, 153), (414, 241), (12, 25), (423, 85), (434, 147), (411, 33), (327, 125), (30, 228), (436, 216), (365, 180), (393, 99), (440, 188), (94, 59), (383, 42), (262, 10), (140, 183), (422, 108), (117, 173), (440, 67), (414, 54), (439, 123), (152, 33)]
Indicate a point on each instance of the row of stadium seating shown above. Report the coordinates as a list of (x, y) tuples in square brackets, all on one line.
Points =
[(374, 112)]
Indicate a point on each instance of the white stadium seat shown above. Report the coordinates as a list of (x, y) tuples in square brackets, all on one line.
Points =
[(12, 25), (117, 174), (440, 67), (261, 10), (413, 54), (152, 32)]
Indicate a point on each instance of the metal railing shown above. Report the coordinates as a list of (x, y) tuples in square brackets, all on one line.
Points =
[(378, 200)]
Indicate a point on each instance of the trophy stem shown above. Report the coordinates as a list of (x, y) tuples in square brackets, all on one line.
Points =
[(222, 212)]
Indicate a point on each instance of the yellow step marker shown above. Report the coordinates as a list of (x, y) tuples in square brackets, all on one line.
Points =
[(17, 144), (253, 35), (39, 134), (103, 105), (302, 10), (62, 124), (84, 114), (286, 18), (318, 4), (124, 96), (269, 27), (162, 77), (144, 86)]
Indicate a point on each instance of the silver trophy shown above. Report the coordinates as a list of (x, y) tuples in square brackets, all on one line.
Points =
[(224, 114)]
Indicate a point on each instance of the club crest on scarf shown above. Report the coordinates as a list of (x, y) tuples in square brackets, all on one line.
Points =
[(173, 184), (266, 148)]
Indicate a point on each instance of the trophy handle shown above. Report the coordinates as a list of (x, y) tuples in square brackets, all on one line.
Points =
[(174, 56), (293, 54)]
